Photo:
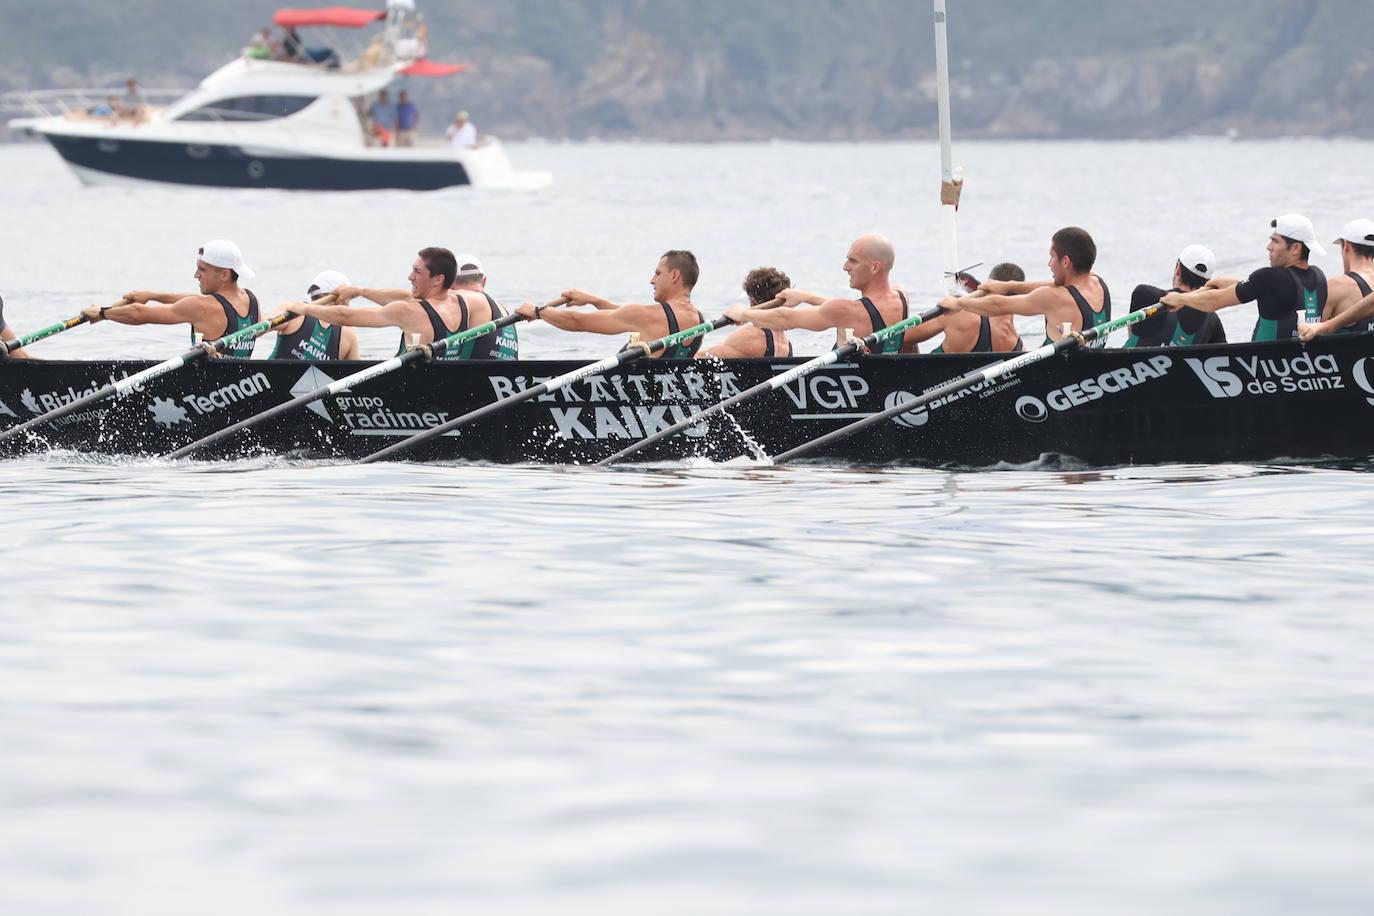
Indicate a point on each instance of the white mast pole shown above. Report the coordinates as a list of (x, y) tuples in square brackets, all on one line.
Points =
[(950, 183)]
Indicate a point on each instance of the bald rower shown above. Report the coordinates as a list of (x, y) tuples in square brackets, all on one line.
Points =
[(880, 304), (672, 281), (762, 284)]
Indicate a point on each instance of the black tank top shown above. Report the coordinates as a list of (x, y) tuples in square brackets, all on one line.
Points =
[(436, 325), (1358, 327), (488, 346), (893, 343), (1087, 318), (233, 321), (770, 346), (685, 350), (984, 342), (311, 340)]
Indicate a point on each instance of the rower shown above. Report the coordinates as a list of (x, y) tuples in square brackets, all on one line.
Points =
[(672, 281), (8, 336), (309, 338), (762, 284), (1192, 270), (221, 307), (1349, 303), (869, 264), (966, 332), (1285, 290), (1075, 300), (430, 310)]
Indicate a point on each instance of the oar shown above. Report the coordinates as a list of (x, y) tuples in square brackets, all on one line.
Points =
[(419, 354), (124, 385), (978, 376), (776, 382), (50, 330), (628, 355)]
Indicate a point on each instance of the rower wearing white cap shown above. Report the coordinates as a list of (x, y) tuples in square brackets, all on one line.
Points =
[(307, 337), (1285, 291), (221, 307), (1349, 305), (1192, 270)]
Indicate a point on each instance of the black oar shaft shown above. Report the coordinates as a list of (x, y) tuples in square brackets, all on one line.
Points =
[(968, 380), (639, 351), (825, 359)]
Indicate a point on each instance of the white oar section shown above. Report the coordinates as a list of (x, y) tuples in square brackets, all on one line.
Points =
[(951, 183), (968, 380)]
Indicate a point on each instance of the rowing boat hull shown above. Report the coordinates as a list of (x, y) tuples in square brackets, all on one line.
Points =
[(1248, 402)]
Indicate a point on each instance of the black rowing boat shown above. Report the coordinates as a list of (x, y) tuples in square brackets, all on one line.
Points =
[(1240, 402)]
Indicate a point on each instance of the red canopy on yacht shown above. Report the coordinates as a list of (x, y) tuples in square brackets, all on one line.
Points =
[(345, 17), (426, 67)]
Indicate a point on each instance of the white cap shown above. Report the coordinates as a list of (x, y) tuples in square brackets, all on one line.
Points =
[(469, 266), (1299, 229), (326, 281), (1198, 259), (224, 253), (1359, 231)]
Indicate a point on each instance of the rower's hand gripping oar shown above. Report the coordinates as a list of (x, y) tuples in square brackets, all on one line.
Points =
[(777, 381), (49, 331), (422, 353), (628, 355), (968, 380), (127, 384)]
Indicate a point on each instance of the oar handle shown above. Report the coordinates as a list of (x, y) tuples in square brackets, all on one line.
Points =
[(50, 330)]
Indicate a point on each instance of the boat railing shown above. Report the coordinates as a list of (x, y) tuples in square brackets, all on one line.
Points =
[(47, 103)]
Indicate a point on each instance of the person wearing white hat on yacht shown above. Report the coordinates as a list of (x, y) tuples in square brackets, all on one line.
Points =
[(1192, 270), (1285, 291), (222, 306), (1349, 303), (307, 337)]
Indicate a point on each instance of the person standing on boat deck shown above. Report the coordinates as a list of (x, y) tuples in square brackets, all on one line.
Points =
[(134, 103), (221, 307), (966, 332), (869, 263), (1285, 290), (379, 117), (407, 120), (1349, 305), (8, 335), (1075, 297), (1192, 270), (462, 133), (305, 337), (762, 284), (430, 310), (672, 281)]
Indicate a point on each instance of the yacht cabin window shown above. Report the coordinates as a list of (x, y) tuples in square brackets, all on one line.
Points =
[(249, 108)]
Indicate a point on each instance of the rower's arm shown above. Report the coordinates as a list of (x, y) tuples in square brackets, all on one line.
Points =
[(148, 295), (1356, 313), (187, 310), (1204, 300), (803, 317), (923, 332), (382, 296), (1037, 302), (348, 343), (621, 320), (741, 344), (8, 337), (580, 297), (1012, 287), (392, 315)]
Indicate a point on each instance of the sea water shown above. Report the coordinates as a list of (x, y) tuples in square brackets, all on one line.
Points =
[(276, 687)]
